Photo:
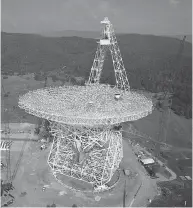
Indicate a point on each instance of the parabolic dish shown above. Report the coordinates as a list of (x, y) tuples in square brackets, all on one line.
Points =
[(86, 105)]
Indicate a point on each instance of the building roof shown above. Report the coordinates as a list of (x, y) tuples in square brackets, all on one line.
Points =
[(147, 161), (188, 177)]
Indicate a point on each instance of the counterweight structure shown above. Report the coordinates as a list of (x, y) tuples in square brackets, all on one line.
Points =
[(85, 123)]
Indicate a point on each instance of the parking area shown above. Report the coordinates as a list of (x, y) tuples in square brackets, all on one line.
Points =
[(155, 168)]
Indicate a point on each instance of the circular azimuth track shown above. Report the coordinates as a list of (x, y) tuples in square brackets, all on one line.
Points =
[(90, 154)]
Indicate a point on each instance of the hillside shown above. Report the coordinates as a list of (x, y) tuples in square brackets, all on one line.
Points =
[(146, 58), (188, 37), (71, 33), (179, 129), (94, 34)]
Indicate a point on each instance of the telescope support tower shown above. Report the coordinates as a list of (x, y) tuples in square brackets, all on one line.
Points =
[(108, 41), (90, 154), (85, 121)]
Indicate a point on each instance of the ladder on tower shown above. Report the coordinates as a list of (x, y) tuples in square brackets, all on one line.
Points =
[(108, 42)]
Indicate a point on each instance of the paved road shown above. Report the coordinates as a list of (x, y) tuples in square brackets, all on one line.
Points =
[(147, 190), (140, 195)]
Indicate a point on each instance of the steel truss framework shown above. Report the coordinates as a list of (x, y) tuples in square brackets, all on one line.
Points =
[(87, 144), (85, 105), (109, 42), (89, 154)]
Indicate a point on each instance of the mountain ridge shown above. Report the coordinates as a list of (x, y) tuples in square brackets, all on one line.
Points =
[(96, 34)]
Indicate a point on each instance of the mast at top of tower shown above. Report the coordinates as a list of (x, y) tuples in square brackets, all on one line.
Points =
[(108, 42), (105, 37)]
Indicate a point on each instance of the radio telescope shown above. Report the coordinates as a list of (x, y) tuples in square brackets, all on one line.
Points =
[(85, 120)]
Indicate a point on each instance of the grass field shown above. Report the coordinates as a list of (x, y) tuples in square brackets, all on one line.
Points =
[(18, 85), (179, 129), (175, 196)]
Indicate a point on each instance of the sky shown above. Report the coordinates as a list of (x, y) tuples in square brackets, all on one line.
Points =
[(158, 17)]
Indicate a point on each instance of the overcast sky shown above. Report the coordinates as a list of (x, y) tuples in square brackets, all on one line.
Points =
[(162, 17)]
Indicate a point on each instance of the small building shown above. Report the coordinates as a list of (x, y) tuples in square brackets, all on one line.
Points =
[(188, 178), (182, 178), (147, 161)]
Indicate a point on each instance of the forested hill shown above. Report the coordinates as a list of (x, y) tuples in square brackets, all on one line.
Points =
[(148, 59)]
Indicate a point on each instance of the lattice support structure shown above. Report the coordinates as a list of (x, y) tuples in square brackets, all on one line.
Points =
[(87, 143), (84, 153), (107, 42)]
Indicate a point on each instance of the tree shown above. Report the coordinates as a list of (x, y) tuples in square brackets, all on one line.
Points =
[(38, 76), (37, 130), (4, 49), (43, 130), (52, 205)]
